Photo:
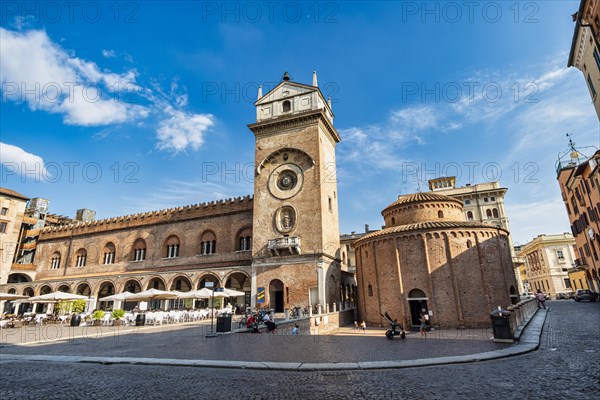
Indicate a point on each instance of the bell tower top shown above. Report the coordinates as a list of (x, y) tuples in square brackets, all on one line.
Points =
[(289, 99)]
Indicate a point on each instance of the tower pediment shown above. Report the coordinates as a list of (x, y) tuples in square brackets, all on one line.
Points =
[(290, 98)]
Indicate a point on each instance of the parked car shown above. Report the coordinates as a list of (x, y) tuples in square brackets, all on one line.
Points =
[(584, 295), (526, 296), (565, 296)]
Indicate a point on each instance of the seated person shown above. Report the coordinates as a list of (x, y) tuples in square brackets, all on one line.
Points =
[(271, 327), (267, 317)]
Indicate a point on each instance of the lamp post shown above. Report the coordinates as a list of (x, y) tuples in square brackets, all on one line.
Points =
[(212, 308)]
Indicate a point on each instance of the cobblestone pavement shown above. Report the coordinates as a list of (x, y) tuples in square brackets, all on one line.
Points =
[(567, 366), (190, 342)]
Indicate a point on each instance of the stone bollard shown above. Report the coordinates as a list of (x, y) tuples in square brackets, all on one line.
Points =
[(300, 313), (334, 307), (287, 314), (310, 311), (319, 309)]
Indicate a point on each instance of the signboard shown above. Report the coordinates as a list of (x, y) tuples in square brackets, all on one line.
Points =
[(219, 289), (260, 295), (209, 284)]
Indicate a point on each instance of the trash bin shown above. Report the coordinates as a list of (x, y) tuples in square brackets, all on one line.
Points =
[(501, 326), (75, 320), (224, 323), (140, 319)]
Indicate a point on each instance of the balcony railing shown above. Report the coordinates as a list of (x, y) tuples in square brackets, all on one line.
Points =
[(284, 246)]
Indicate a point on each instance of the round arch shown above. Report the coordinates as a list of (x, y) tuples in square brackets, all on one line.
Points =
[(181, 283), (45, 289), (64, 288), (208, 277), (132, 286), (83, 289), (18, 278), (157, 283)]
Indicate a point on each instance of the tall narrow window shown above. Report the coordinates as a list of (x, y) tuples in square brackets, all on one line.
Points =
[(495, 212), (440, 214), (109, 254), (55, 261), (171, 247), (287, 106), (4, 211), (81, 258), (469, 215), (591, 84), (488, 213), (208, 243)]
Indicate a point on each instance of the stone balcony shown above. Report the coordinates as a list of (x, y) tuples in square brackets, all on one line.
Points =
[(23, 267), (284, 246)]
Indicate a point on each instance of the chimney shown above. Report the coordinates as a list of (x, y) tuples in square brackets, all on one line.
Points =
[(85, 215), (366, 228)]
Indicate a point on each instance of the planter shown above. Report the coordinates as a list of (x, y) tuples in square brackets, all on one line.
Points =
[(117, 322), (96, 322)]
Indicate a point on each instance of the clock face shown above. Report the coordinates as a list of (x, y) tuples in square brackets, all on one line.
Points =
[(286, 181)]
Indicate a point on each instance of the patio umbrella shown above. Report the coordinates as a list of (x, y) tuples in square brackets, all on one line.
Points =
[(118, 297), (12, 296), (196, 294), (55, 297), (152, 294), (233, 293)]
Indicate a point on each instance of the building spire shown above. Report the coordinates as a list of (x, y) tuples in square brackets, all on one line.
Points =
[(329, 102), (314, 82), (259, 92)]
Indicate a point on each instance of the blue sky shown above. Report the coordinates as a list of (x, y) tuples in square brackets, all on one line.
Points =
[(123, 107)]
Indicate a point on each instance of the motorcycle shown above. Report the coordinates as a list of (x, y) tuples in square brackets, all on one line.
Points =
[(395, 328)]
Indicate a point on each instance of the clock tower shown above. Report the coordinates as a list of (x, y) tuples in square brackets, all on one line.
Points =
[(296, 241)]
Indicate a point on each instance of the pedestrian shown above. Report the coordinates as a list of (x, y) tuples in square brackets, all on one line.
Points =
[(541, 299), (423, 319), (295, 329), (363, 325), (356, 325)]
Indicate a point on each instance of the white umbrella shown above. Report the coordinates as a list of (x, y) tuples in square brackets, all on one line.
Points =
[(118, 297), (55, 297), (234, 293), (196, 294), (153, 294), (12, 296)]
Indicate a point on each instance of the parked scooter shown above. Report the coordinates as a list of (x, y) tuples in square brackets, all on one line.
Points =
[(395, 328)]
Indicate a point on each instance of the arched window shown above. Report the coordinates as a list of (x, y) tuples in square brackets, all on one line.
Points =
[(495, 212), (55, 261), (139, 250), (393, 221), (468, 244), (81, 258), (370, 291), (208, 243), (109, 253), (171, 247), (287, 106), (440, 214), (469, 215), (488, 213), (244, 239)]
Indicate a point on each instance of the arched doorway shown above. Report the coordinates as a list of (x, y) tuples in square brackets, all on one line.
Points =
[(240, 282), (158, 284), (106, 289), (417, 301), (181, 284), (204, 303), (276, 295), (26, 307), (131, 286)]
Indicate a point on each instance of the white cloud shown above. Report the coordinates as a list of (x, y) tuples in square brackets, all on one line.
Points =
[(108, 53), (182, 130), (37, 71), (17, 161), (41, 73)]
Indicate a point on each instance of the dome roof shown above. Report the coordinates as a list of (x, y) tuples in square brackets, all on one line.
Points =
[(422, 197), (428, 226)]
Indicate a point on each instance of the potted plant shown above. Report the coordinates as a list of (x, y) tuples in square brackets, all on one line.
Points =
[(97, 316), (117, 315), (77, 307)]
